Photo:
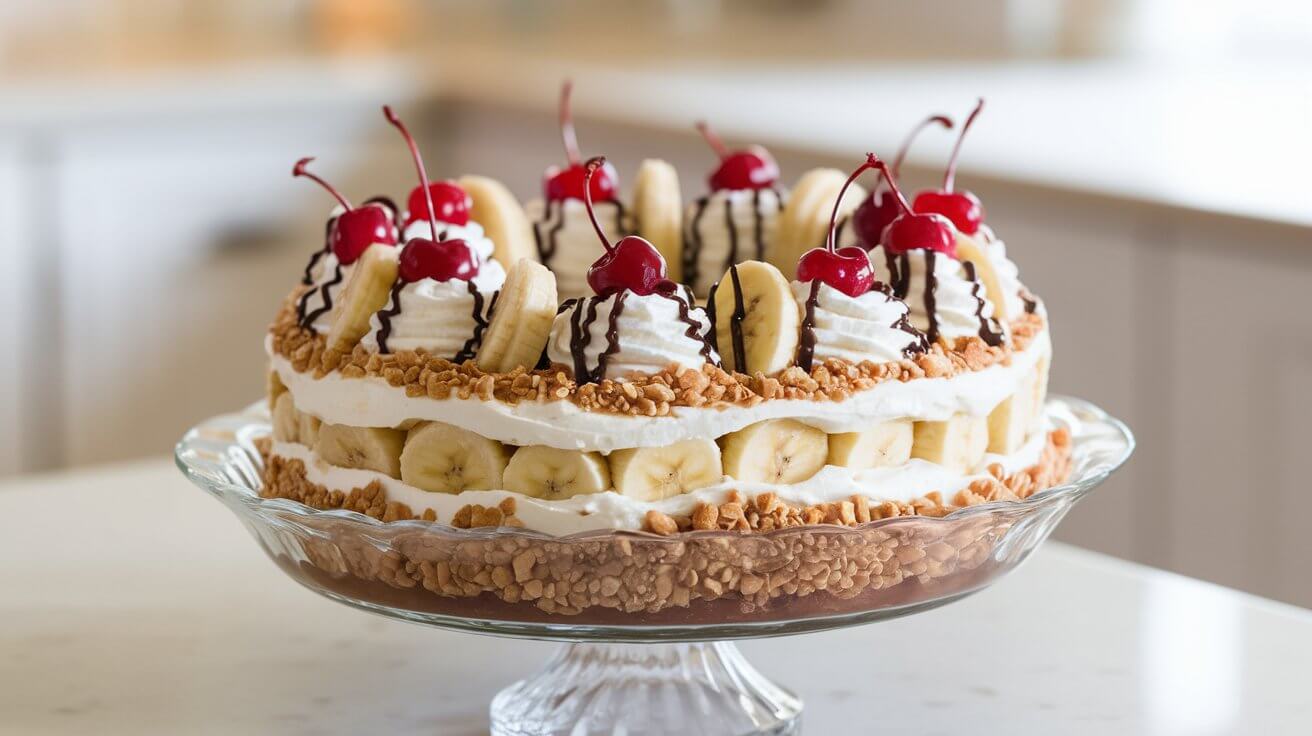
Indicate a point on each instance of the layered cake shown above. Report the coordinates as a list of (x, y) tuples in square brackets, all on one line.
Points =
[(632, 404)]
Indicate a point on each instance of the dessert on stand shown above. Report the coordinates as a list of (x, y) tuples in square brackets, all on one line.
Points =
[(602, 449)]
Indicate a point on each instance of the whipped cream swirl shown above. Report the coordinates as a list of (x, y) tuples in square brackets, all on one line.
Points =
[(566, 241), (444, 318), (327, 277), (727, 227), (944, 295), (1018, 298), (612, 336), (873, 326)]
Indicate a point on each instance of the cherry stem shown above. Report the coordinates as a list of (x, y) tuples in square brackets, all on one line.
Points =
[(567, 133), (892, 183), (950, 176), (592, 166), (299, 170), (712, 139), (419, 164), (943, 120), (872, 162)]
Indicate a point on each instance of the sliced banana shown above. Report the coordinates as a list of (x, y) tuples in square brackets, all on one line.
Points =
[(366, 292), (364, 448), (551, 473), (969, 250), (655, 473), (445, 459), (307, 428), (286, 428), (958, 443), (1040, 389), (770, 321), (274, 386), (658, 212), (521, 320), (805, 219), (886, 444), (502, 218), (775, 451)]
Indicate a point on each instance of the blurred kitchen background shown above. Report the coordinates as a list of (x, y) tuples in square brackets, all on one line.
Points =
[(1145, 161)]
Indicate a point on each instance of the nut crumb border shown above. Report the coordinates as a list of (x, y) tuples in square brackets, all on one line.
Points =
[(422, 375)]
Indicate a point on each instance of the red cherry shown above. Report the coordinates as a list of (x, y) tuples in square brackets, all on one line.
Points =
[(355, 229), (910, 230), (962, 208), (441, 260), (452, 202), (750, 168), (880, 208), (569, 183), (848, 269), (633, 263)]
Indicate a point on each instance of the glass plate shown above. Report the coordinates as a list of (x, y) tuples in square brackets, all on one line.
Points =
[(622, 588)]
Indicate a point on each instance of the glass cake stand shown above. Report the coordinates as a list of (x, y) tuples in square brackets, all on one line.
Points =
[(647, 621)]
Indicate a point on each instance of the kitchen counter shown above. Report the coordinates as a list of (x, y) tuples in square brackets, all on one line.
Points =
[(134, 604)]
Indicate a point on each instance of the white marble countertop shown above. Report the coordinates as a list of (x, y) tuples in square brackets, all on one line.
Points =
[(134, 604)]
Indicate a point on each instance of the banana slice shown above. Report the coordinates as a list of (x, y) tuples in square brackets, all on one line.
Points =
[(770, 322), (550, 473), (886, 444), (775, 451), (366, 292), (307, 428), (445, 459), (286, 428), (805, 219), (1040, 390), (969, 250), (274, 386), (521, 321), (958, 443), (658, 212), (1010, 422), (363, 448), (654, 473), (502, 218)]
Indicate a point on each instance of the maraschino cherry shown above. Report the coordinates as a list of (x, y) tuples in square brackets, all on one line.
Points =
[(568, 183), (846, 269), (430, 258), (632, 263), (962, 208), (355, 229), (749, 168), (916, 230), (879, 209), (452, 203)]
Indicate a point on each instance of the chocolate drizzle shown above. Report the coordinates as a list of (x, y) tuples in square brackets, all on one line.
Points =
[(711, 338), (694, 331), (546, 232), (694, 242), (580, 335), (325, 294), (385, 316), (987, 333), (931, 297), (480, 323), (1031, 304), (806, 339), (736, 322)]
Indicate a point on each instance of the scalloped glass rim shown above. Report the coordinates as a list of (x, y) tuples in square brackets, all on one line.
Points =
[(216, 455)]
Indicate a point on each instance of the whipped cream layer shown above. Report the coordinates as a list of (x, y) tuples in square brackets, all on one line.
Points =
[(611, 510), (945, 300), (566, 241), (727, 227), (870, 327), (446, 318), (627, 333), (371, 402)]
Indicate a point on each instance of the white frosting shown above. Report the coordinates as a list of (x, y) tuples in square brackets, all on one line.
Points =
[(577, 245), (437, 316), (1006, 269), (857, 328), (651, 335), (957, 299), (321, 275), (716, 237), (371, 402), (610, 510)]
